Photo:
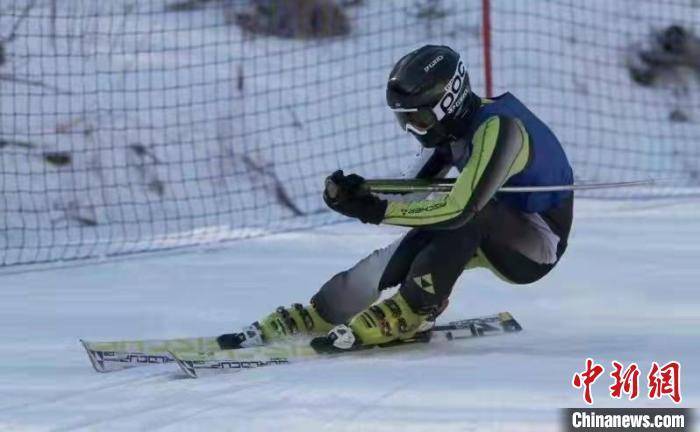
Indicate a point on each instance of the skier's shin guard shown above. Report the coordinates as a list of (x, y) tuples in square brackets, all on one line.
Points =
[(296, 319)]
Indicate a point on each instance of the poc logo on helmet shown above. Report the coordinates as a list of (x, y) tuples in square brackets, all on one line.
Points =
[(432, 64), (455, 92)]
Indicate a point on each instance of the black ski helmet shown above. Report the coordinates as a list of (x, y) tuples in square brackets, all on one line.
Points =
[(429, 92)]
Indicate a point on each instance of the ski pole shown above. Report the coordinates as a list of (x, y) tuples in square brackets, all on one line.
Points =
[(404, 186)]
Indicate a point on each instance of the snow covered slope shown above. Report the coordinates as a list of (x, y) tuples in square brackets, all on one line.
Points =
[(627, 289), (163, 113), (202, 103)]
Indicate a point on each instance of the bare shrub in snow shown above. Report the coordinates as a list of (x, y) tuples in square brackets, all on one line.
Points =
[(669, 50), (300, 19)]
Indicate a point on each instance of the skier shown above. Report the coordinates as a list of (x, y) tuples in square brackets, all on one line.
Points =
[(518, 236)]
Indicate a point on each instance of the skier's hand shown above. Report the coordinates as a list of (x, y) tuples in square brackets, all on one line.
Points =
[(340, 187), (350, 196)]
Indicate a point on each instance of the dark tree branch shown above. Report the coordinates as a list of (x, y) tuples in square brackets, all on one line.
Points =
[(54, 17), (141, 151), (186, 5), (22, 17), (277, 187), (32, 83), (72, 211), (144, 167), (8, 143), (58, 158)]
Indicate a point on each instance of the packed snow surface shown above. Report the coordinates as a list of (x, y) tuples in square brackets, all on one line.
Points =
[(627, 290)]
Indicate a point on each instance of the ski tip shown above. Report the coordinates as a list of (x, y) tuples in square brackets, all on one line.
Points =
[(94, 356), (186, 366)]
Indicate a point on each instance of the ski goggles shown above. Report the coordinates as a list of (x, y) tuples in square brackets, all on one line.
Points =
[(420, 119), (416, 120)]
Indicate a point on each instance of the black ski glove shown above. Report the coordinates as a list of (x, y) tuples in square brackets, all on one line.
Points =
[(349, 196)]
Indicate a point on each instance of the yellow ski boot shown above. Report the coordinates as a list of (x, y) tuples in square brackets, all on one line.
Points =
[(384, 323), (282, 323)]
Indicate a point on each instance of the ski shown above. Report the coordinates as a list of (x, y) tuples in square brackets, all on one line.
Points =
[(192, 363), (119, 355)]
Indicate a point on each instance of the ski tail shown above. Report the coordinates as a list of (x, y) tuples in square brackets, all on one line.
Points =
[(508, 323), (502, 322)]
